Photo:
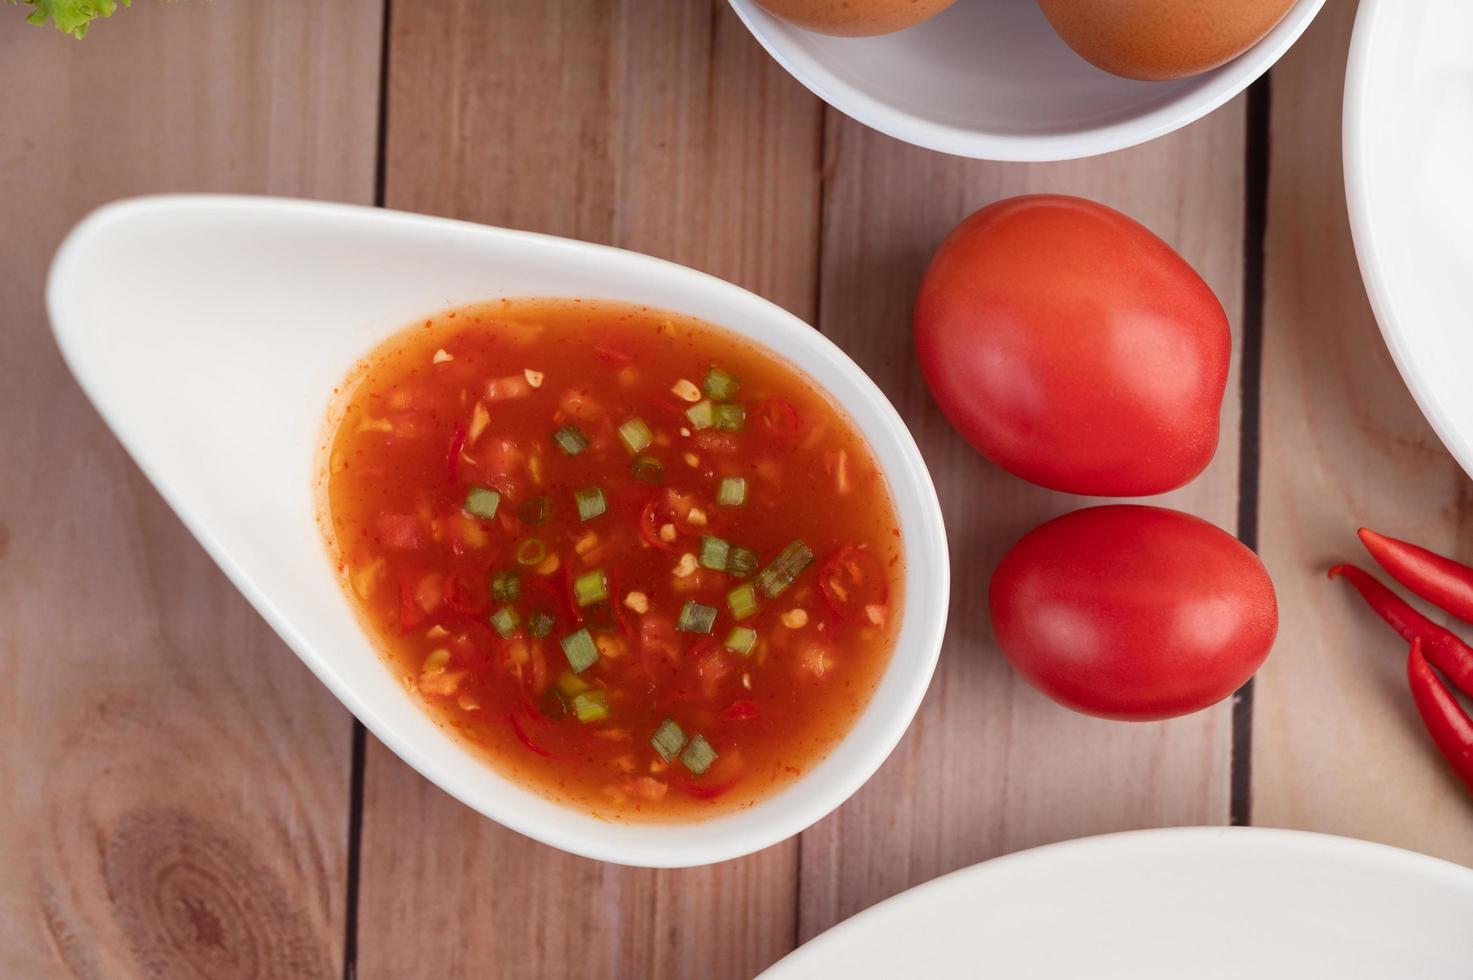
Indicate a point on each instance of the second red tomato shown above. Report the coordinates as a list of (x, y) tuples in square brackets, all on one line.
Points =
[(1074, 348)]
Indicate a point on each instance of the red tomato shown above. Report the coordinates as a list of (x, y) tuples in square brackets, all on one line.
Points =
[(1074, 348), (1135, 613)]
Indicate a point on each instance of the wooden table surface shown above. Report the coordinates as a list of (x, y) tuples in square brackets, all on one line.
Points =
[(179, 797)]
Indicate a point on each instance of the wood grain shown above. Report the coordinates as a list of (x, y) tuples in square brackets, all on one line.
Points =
[(175, 781), (990, 766), (1337, 743), (658, 126)]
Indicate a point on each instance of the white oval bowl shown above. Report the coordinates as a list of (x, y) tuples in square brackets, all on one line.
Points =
[(991, 79), (1205, 903), (210, 332), (1408, 137)]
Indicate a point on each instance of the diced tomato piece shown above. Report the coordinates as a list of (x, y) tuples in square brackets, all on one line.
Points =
[(504, 389), (466, 593), (779, 417), (851, 579), (404, 532), (713, 667)]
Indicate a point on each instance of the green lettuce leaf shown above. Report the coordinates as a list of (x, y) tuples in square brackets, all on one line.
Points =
[(71, 16)]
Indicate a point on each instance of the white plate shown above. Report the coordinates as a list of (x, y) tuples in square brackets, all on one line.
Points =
[(991, 79), (1409, 186), (210, 333), (1202, 903)]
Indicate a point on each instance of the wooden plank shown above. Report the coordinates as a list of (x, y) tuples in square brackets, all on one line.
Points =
[(1337, 744), (175, 781), (658, 126), (990, 766)]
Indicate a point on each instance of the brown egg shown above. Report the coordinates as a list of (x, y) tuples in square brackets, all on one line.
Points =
[(1161, 39), (856, 18)]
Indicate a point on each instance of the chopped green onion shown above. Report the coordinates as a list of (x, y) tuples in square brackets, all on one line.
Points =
[(636, 435), (713, 553), (570, 684), (668, 739), (506, 621), (531, 552), (732, 492), (590, 503), (741, 562), (698, 755), (482, 502), (540, 624), (742, 640), (777, 576), (506, 586), (702, 415), (591, 587), (742, 601), (570, 439), (594, 706), (730, 417), (648, 470), (581, 651), (696, 618), (720, 385), (533, 511)]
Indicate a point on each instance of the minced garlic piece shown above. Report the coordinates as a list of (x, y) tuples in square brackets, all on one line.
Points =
[(436, 662), (696, 516), (441, 356), (480, 418), (876, 614), (534, 378), (637, 601), (687, 565), (667, 533), (692, 460), (686, 391), (586, 543), (795, 619)]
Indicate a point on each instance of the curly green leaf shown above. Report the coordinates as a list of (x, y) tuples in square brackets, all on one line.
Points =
[(70, 16)]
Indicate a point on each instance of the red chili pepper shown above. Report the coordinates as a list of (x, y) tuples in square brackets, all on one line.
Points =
[(1448, 724), (516, 726), (1441, 581), (452, 459), (411, 613), (1445, 649), (704, 792), (740, 711)]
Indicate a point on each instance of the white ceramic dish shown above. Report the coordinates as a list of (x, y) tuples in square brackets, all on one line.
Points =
[(210, 332), (990, 79), (1408, 138), (1209, 903)]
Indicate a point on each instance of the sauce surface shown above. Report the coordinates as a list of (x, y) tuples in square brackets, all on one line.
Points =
[(644, 565)]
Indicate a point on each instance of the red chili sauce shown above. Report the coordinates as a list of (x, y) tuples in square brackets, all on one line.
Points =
[(642, 563)]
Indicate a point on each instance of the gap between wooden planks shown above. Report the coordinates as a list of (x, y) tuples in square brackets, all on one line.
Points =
[(175, 780), (1338, 746)]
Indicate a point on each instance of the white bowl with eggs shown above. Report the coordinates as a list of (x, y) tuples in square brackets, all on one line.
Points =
[(991, 79), (211, 332)]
